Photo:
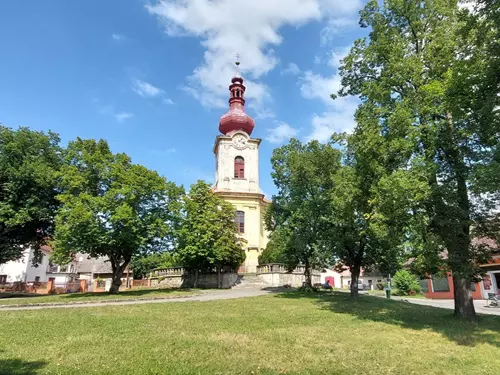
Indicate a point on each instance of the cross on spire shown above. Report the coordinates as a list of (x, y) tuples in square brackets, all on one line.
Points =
[(237, 62)]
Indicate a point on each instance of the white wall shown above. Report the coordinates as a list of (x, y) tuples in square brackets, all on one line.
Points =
[(40, 271), (23, 270), (227, 148), (16, 270)]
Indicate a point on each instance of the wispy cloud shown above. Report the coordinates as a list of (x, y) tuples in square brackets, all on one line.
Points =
[(146, 89), (168, 101), (118, 37), (118, 115), (292, 69), (281, 133), (163, 153), (339, 113)]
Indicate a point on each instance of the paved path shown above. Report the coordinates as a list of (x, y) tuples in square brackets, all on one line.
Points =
[(480, 305), (211, 295)]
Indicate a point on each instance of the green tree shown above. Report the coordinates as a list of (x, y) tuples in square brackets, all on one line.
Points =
[(208, 235), (359, 235), (406, 283), (276, 248), (141, 266), (407, 75), (29, 161), (112, 207), (302, 175)]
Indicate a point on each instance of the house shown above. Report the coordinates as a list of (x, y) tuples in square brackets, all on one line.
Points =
[(97, 269), (441, 286), (24, 271), (336, 279)]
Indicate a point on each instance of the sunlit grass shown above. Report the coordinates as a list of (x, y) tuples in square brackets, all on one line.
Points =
[(288, 333)]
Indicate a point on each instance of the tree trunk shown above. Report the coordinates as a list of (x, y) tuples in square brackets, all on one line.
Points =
[(117, 275), (307, 274), (457, 238), (196, 276), (464, 305), (355, 271)]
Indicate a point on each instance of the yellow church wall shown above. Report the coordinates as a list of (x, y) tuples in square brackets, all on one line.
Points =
[(255, 236)]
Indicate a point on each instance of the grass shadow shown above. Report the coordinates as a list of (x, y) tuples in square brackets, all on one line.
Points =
[(410, 316), (128, 293), (20, 367)]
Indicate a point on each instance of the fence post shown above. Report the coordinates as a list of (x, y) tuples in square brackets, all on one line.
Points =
[(131, 281), (50, 286), (83, 286), (149, 283)]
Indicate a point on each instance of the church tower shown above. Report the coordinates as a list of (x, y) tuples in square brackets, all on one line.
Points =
[(237, 174)]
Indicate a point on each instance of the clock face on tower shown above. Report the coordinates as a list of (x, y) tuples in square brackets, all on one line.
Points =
[(239, 141)]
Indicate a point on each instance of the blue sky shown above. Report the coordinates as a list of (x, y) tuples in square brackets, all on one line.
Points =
[(151, 77)]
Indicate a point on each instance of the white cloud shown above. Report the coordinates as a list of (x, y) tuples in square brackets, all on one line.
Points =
[(120, 116), (110, 110), (118, 37), (291, 68), (168, 101), (327, 123), (251, 28), (281, 133), (339, 113), (163, 153), (336, 26), (146, 89)]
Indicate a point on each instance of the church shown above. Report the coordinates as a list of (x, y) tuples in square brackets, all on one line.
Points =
[(237, 174)]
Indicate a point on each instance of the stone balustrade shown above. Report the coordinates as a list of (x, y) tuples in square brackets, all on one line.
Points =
[(282, 268)]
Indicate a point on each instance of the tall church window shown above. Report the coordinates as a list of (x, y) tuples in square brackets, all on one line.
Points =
[(240, 221), (239, 167)]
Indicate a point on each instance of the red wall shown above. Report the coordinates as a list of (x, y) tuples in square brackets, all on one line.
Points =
[(449, 295)]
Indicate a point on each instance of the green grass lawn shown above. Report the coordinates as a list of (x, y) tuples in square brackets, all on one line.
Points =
[(94, 297), (288, 333)]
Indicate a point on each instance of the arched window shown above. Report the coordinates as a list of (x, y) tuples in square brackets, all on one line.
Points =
[(240, 221), (239, 167)]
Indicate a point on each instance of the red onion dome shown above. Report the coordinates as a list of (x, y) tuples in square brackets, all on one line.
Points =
[(236, 118)]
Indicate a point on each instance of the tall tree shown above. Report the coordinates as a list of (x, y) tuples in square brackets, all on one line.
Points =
[(29, 161), (208, 236), (302, 174), (359, 234), (112, 207), (405, 74)]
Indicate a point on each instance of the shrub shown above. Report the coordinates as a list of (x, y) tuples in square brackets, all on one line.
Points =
[(381, 286), (406, 283)]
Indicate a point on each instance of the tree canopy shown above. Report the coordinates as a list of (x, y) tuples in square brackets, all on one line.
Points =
[(208, 237), (29, 163), (112, 207), (417, 76), (299, 210)]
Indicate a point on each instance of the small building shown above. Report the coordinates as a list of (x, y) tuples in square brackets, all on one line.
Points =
[(23, 270), (336, 279), (441, 286), (97, 269)]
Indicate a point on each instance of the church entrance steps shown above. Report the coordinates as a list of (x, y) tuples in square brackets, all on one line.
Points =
[(249, 281)]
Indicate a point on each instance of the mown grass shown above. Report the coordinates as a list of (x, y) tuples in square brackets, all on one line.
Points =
[(94, 297), (288, 333)]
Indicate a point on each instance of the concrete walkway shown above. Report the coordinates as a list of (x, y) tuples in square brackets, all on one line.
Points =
[(210, 295), (480, 305)]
